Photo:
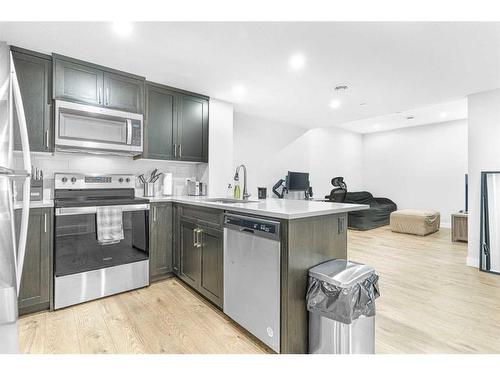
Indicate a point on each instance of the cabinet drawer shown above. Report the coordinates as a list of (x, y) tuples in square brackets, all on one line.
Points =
[(207, 216)]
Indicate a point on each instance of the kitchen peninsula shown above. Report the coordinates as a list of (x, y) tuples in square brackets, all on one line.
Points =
[(310, 233)]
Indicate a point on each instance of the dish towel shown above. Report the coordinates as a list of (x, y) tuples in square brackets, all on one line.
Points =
[(109, 225)]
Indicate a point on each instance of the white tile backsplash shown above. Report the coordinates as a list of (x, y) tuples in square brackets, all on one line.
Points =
[(61, 162)]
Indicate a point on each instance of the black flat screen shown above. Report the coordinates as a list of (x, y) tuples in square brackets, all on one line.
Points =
[(297, 181)]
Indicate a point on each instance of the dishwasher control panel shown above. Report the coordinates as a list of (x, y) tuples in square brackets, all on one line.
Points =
[(245, 223)]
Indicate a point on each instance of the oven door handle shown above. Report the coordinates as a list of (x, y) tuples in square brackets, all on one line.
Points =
[(65, 211)]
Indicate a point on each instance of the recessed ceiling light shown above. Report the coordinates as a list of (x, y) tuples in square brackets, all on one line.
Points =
[(410, 117), (239, 90), (297, 61), (443, 114), (122, 28), (376, 126), (335, 104)]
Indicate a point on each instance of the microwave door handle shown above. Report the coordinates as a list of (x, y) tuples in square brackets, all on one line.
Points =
[(129, 131)]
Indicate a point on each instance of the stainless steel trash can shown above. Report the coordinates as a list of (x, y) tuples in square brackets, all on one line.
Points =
[(341, 304)]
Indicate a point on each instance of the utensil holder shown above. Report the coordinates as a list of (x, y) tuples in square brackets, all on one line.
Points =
[(149, 189)]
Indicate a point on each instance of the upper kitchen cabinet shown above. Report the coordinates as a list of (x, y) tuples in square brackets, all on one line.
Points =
[(76, 82), (176, 124), (123, 92), (192, 128), (83, 82), (161, 121), (34, 73)]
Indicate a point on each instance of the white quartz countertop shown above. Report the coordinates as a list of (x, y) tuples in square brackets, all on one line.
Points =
[(36, 204), (272, 207)]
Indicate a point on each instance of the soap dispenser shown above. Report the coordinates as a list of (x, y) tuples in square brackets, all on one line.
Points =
[(237, 189)]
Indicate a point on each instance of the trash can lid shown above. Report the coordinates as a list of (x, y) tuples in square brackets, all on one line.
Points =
[(341, 272)]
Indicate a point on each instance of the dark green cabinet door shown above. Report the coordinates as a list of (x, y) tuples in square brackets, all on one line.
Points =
[(190, 262), (160, 119), (211, 280), (176, 255), (192, 129), (34, 294), (123, 93), (35, 77), (78, 82), (160, 249)]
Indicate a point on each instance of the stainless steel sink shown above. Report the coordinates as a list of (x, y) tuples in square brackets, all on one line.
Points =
[(228, 200)]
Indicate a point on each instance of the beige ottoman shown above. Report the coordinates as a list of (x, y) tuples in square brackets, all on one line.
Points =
[(416, 222)]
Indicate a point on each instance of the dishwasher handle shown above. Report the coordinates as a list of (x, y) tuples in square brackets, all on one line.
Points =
[(247, 230)]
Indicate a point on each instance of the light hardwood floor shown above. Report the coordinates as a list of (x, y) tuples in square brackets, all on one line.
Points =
[(166, 317), (430, 303)]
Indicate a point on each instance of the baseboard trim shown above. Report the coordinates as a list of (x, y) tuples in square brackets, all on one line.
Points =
[(446, 225), (472, 262)]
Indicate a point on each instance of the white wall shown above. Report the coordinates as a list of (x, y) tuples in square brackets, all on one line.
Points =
[(86, 163), (269, 149), (220, 150), (335, 152), (484, 155), (422, 167)]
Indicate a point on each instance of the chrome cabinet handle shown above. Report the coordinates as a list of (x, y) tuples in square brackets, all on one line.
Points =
[(107, 95), (47, 138), (195, 244), (154, 214), (175, 150), (45, 223), (180, 150), (200, 231), (99, 96)]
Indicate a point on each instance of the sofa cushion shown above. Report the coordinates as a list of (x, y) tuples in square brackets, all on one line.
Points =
[(359, 197)]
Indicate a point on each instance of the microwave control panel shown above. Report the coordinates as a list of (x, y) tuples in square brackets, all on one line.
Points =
[(136, 133)]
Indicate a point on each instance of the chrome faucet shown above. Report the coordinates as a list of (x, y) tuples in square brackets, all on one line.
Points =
[(237, 177)]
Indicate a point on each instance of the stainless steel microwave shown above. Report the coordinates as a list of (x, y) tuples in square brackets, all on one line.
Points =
[(87, 128)]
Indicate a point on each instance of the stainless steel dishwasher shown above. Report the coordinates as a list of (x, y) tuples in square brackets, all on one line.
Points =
[(252, 276)]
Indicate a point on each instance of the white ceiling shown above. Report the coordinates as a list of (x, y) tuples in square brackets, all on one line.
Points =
[(392, 67), (442, 112)]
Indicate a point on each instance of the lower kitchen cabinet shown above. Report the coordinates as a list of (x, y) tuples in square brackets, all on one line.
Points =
[(36, 281), (211, 277), (190, 262), (201, 259), (160, 241)]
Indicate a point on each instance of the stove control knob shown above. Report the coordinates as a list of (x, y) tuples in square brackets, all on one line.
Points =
[(64, 179), (120, 179), (127, 179), (73, 180)]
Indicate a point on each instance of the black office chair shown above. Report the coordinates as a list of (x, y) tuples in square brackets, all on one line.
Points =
[(339, 192)]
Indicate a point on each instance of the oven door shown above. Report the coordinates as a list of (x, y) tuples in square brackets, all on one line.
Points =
[(77, 249), (86, 269), (83, 126)]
